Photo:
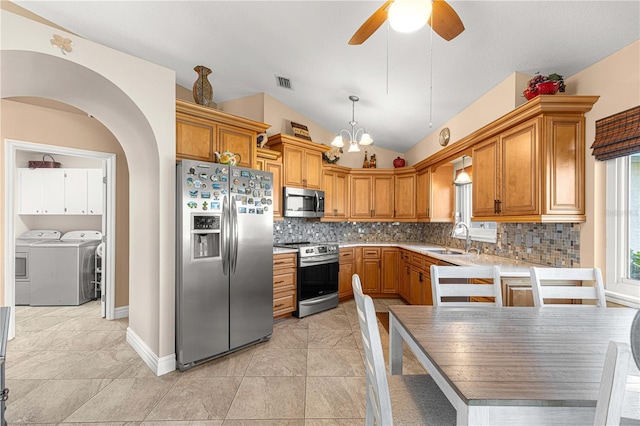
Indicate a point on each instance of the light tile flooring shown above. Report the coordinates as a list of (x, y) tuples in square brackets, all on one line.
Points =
[(67, 365)]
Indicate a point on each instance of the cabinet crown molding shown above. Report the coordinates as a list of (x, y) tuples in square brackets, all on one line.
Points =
[(220, 117)]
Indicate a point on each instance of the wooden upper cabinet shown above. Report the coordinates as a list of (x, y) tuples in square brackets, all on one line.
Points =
[(383, 197), (360, 188), (441, 209), (519, 176), (201, 131), (485, 178), (271, 161), (532, 172), (423, 194), (238, 141), (195, 138), (302, 160), (335, 184), (372, 194), (405, 194)]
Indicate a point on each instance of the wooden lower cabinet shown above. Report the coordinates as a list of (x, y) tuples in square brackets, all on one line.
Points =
[(389, 272), (518, 292), (371, 268), (284, 284), (347, 269)]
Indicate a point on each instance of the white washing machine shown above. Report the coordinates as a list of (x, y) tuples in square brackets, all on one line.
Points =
[(63, 270), (23, 260)]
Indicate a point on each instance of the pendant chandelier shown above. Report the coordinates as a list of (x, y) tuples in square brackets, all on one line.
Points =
[(463, 178), (353, 135)]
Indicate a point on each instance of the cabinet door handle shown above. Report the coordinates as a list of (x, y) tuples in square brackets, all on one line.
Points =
[(427, 211), (420, 276), (278, 305), (499, 206), (279, 262), (495, 206), (279, 282)]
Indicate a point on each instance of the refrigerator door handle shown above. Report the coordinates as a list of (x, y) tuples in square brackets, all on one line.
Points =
[(225, 235), (234, 235)]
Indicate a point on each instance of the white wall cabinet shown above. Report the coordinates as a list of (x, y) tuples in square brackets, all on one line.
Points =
[(60, 191)]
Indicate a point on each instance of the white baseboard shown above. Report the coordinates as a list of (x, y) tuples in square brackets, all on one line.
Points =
[(159, 366), (121, 312)]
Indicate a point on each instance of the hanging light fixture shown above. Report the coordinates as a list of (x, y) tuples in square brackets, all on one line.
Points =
[(406, 16), (353, 135), (463, 178)]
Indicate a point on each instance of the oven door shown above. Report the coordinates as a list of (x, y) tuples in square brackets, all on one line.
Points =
[(317, 280)]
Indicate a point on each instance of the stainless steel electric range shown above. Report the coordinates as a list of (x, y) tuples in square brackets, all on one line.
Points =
[(318, 265)]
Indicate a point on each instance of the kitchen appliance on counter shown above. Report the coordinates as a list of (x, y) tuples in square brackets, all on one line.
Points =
[(317, 285), (62, 270), (23, 260), (224, 260), (298, 202)]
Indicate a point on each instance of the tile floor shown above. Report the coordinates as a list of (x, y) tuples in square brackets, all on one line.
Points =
[(67, 365)]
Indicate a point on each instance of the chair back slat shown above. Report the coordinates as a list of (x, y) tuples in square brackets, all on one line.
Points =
[(559, 283), (612, 385), (454, 281), (378, 397)]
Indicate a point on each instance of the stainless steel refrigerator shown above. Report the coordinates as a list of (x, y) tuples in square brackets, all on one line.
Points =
[(224, 265)]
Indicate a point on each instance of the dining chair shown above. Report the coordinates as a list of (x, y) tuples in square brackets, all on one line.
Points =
[(554, 290), (612, 385), (410, 392), (456, 282)]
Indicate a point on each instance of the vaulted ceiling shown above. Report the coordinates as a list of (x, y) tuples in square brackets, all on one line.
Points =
[(249, 43)]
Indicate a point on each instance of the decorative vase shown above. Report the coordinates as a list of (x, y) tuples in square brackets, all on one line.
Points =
[(398, 162), (202, 89)]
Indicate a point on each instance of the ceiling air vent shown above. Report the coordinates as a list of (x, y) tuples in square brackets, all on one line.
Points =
[(284, 82)]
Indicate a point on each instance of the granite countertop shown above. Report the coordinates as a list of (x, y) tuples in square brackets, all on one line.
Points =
[(509, 268)]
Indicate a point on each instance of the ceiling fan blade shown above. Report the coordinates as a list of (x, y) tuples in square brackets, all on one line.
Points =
[(371, 25), (447, 23)]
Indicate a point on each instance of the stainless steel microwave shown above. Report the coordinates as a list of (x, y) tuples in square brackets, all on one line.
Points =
[(298, 202)]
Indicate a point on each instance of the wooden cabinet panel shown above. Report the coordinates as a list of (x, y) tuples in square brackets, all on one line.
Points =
[(405, 198), (335, 184), (485, 178), (361, 202), (275, 167), (423, 194), (519, 176), (441, 201), (284, 283), (347, 269), (389, 273), (404, 275), (564, 158), (238, 141), (195, 139), (313, 170), (293, 163), (370, 276), (416, 280), (383, 197)]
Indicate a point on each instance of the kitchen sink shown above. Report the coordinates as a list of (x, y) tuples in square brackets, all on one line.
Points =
[(446, 252)]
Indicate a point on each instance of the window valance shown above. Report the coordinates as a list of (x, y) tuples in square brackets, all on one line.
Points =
[(617, 135)]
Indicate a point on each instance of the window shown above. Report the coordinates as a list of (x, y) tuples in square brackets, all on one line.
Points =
[(623, 230), (478, 231)]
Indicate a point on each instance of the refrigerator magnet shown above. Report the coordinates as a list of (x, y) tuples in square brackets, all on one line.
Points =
[(242, 210), (215, 206), (205, 194), (192, 204), (252, 211), (259, 211), (193, 193)]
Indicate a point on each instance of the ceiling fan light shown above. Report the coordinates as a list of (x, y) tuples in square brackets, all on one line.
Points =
[(366, 139), (353, 147), (406, 16), (338, 142)]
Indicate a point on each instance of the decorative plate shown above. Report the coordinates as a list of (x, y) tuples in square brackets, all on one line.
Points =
[(445, 134)]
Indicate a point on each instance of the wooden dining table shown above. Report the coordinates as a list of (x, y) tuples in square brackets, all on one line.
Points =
[(510, 365)]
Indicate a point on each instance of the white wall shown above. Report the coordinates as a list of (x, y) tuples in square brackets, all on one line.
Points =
[(135, 100)]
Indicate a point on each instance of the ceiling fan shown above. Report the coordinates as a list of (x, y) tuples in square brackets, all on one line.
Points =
[(414, 13)]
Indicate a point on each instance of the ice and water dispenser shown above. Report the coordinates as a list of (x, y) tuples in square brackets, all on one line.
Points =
[(205, 236)]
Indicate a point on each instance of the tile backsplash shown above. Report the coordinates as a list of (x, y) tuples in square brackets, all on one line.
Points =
[(551, 244)]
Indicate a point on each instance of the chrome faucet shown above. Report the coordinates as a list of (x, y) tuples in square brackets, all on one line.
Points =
[(466, 234)]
